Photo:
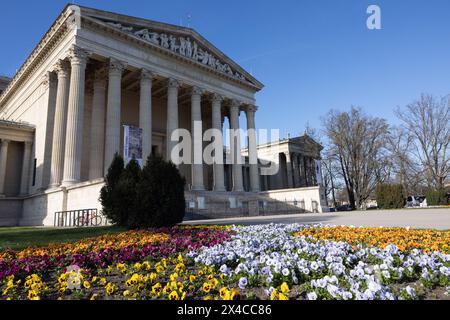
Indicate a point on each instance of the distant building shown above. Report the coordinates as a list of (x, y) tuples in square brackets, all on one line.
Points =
[(299, 176), (4, 81)]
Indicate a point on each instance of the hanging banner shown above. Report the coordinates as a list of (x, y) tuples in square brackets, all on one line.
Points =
[(318, 166), (132, 144)]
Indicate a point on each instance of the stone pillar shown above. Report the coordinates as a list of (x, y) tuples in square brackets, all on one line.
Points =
[(290, 180), (296, 170), (235, 141), (172, 115), (59, 128), (24, 180), (3, 159), (145, 113), (307, 173), (49, 99), (197, 139), (74, 130), (219, 180), (302, 171), (97, 134), (112, 141), (252, 150)]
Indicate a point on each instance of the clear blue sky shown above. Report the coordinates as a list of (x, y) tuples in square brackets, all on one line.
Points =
[(312, 55)]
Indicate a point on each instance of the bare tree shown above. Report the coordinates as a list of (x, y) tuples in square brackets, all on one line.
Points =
[(405, 170), (330, 171), (427, 123), (359, 144)]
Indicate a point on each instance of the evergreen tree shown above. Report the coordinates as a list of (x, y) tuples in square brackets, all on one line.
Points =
[(108, 194), (126, 192), (160, 195)]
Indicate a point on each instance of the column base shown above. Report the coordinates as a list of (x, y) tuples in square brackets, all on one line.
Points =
[(68, 183), (54, 186), (220, 189), (198, 189)]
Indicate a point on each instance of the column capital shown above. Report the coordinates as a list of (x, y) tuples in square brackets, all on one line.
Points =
[(147, 74), (235, 104), (251, 108), (173, 83), (5, 142), (215, 97), (48, 79), (100, 74), (28, 143), (62, 68), (116, 66), (197, 91), (78, 55)]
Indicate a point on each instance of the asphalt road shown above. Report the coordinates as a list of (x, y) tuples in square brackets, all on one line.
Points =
[(414, 218)]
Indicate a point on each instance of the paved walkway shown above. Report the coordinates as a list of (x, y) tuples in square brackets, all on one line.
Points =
[(414, 218)]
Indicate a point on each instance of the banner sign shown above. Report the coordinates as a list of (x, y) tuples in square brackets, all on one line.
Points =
[(132, 144), (318, 171)]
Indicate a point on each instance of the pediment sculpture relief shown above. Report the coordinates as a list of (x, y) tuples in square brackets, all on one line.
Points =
[(181, 45)]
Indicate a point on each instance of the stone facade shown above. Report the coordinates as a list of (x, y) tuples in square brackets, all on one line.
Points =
[(4, 81), (94, 72)]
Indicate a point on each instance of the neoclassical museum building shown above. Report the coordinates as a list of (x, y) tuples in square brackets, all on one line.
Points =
[(62, 119)]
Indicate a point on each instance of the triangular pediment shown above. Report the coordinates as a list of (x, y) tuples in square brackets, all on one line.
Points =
[(183, 41), (306, 141)]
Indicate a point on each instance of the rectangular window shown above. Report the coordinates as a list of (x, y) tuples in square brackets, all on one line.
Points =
[(34, 171)]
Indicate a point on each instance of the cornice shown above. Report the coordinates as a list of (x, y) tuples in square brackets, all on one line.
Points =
[(57, 31)]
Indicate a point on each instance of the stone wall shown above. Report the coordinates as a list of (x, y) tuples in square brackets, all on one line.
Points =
[(10, 213), (313, 197)]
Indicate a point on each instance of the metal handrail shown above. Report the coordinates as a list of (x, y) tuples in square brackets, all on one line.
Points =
[(79, 218)]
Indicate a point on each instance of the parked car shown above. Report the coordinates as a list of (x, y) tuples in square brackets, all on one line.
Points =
[(414, 201), (344, 207)]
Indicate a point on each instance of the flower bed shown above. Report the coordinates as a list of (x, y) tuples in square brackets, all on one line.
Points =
[(254, 262), (404, 238)]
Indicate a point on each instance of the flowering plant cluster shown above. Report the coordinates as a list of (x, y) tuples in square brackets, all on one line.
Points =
[(104, 251), (277, 262), (273, 256), (404, 238)]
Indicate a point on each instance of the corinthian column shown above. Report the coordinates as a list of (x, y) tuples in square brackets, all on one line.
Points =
[(74, 132), (112, 143), (219, 180), (25, 168), (97, 135), (197, 139), (235, 140), (290, 178), (3, 159), (59, 128), (296, 171), (172, 116), (252, 150), (145, 113)]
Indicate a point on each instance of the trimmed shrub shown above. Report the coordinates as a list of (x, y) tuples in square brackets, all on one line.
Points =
[(437, 198), (390, 196), (126, 191), (108, 194), (118, 196), (160, 195)]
